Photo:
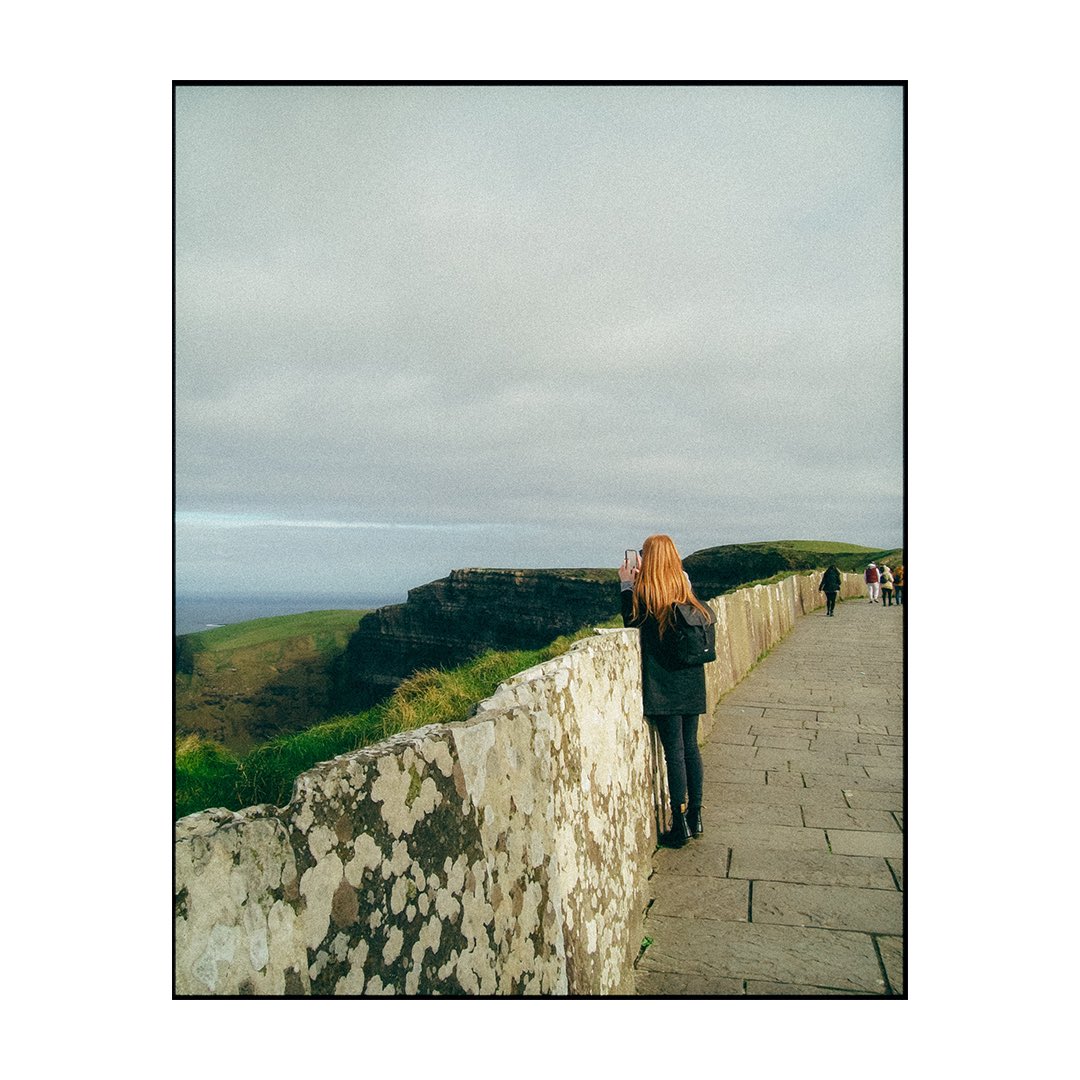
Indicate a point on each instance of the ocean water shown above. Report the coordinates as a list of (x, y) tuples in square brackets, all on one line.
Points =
[(194, 613)]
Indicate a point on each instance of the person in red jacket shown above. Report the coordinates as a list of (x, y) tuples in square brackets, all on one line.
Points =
[(873, 583)]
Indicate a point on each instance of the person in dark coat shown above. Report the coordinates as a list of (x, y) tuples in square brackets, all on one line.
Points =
[(830, 586), (673, 697)]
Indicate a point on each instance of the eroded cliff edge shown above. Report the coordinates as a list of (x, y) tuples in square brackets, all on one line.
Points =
[(452, 620)]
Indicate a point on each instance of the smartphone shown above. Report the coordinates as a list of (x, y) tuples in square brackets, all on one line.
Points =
[(631, 558)]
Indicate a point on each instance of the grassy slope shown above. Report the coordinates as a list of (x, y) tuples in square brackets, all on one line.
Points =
[(847, 557), (243, 683), (735, 566), (324, 626), (209, 775)]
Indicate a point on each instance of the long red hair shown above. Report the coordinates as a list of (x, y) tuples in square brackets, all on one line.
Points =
[(661, 582)]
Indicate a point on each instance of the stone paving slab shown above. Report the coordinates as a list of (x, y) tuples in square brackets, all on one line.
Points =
[(897, 867), (832, 907), (725, 711), (831, 817), (697, 858), (815, 761), (799, 727), (857, 725), (894, 743), (732, 757), (751, 814), (892, 956), (846, 842), (883, 772), (875, 800), (811, 868), (780, 794), (773, 838), (867, 756), (855, 783), (783, 954), (753, 777), (845, 740), (783, 778), (795, 888), (668, 984), (784, 742), (770, 989), (795, 715), (693, 896), (734, 740), (730, 729)]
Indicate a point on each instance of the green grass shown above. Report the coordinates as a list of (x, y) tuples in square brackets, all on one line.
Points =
[(849, 559), (324, 626), (209, 775), (826, 546)]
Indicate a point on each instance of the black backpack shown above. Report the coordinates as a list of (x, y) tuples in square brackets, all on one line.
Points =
[(691, 636)]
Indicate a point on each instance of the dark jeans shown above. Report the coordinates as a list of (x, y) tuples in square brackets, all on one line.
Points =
[(830, 602), (886, 597), (899, 594), (684, 772)]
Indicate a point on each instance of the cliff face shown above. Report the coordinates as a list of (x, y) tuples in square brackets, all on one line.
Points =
[(454, 619)]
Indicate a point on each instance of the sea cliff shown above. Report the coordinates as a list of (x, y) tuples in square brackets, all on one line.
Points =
[(449, 621)]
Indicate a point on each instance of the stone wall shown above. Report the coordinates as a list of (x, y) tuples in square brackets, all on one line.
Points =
[(507, 854)]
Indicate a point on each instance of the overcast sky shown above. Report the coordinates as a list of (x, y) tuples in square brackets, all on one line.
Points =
[(421, 328)]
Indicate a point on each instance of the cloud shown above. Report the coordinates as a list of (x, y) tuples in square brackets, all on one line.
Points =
[(565, 309), (253, 521)]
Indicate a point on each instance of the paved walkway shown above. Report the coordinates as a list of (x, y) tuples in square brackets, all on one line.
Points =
[(795, 887)]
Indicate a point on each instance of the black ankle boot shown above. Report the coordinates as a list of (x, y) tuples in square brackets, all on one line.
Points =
[(693, 821), (679, 832)]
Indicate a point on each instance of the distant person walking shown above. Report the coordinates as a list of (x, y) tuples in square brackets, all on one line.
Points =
[(830, 586), (898, 582), (673, 697), (873, 582), (886, 586)]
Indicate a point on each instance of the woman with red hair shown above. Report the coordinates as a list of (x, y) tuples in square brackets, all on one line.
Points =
[(673, 696)]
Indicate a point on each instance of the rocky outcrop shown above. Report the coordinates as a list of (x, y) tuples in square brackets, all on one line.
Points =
[(454, 619)]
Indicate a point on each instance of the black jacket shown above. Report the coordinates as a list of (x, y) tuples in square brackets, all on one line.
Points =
[(830, 580), (666, 690)]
